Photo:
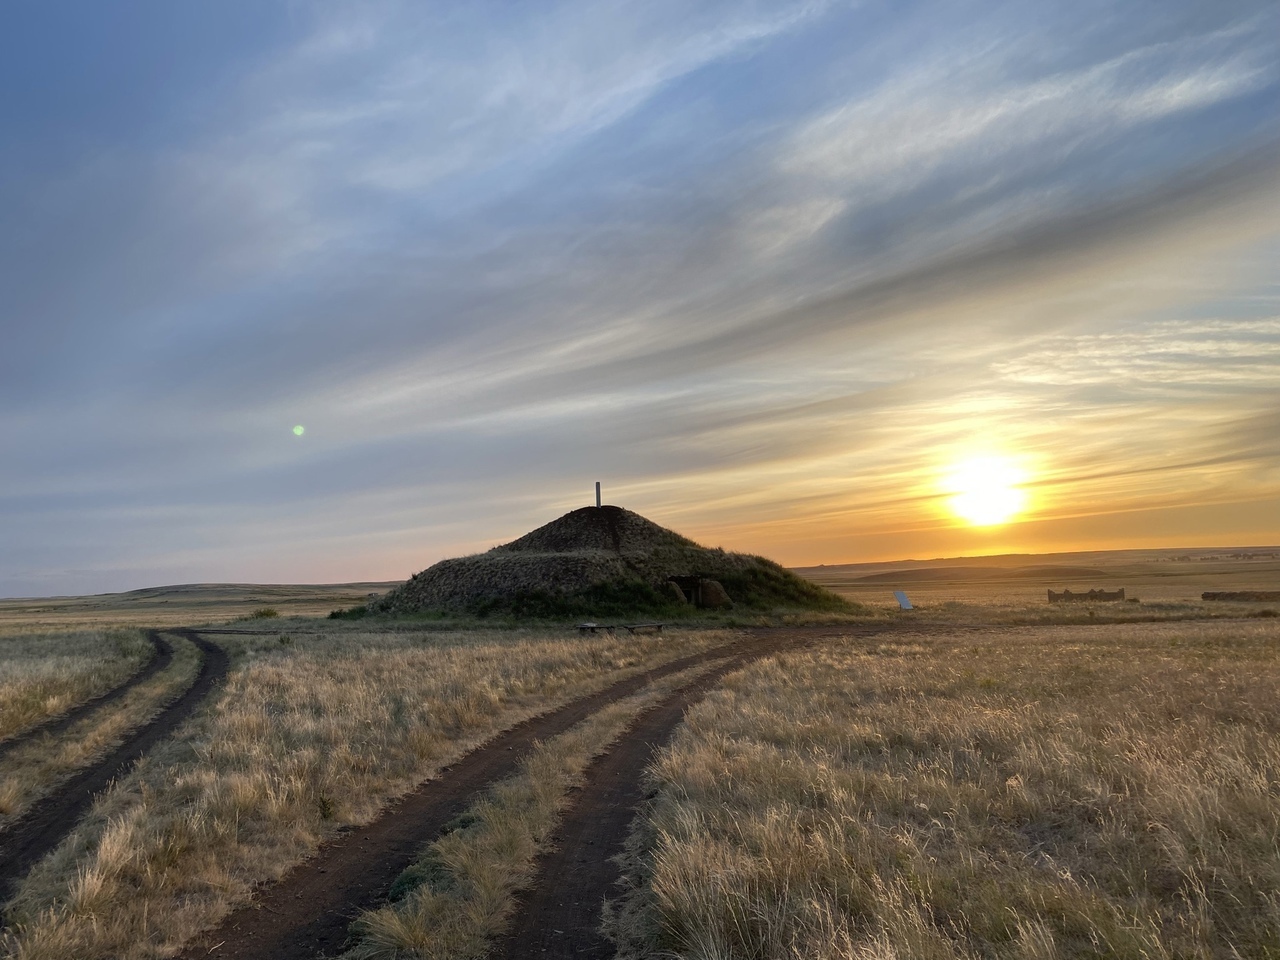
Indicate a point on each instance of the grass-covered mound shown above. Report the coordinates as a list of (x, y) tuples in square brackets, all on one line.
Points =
[(599, 562)]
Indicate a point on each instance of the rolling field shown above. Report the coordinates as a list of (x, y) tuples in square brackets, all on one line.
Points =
[(313, 731), (986, 776), (1095, 791), (183, 605), (1165, 582)]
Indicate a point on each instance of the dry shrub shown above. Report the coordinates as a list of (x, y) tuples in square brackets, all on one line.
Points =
[(1027, 793), (302, 740)]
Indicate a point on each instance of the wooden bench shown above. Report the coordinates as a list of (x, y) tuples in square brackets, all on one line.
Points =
[(651, 626)]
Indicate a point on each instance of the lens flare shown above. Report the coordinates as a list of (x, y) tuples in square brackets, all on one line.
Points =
[(986, 491), (299, 430)]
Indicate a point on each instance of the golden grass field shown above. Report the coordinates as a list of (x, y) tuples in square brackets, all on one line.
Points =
[(184, 605), (997, 777), (1166, 582), (1033, 792), (319, 724), (44, 672), (36, 766)]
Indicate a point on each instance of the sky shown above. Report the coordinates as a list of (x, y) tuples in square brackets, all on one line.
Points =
[(787, 277)]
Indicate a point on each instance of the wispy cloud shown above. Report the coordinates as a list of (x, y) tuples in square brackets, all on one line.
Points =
[(442, 101), (762, 268), (965, 111)]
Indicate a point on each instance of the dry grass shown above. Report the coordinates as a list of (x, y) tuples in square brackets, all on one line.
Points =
[(1023, 793), (311, 732), (1149, 574), (44, 673), (31, 770), (460, 893), (1163, 591)]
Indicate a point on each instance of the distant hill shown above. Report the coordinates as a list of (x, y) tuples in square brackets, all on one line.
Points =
[(931, 574), (599, 562), (187, 604)]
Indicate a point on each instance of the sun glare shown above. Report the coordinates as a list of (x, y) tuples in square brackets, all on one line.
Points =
[(986, 491)]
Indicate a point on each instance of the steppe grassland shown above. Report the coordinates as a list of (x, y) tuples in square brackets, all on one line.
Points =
[(460, 893), (47, 672), (1019, 793), (34, 767), (179, 606), (1003, 604), (316, 727)]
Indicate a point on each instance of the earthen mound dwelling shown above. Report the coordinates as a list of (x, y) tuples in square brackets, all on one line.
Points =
[(603, 561)]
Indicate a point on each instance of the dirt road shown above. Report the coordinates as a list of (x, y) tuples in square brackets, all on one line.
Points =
[(161, 657), (44, 826), (307, 914), (560, 916)]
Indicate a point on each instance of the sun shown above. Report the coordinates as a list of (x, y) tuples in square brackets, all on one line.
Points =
[(986, 491)]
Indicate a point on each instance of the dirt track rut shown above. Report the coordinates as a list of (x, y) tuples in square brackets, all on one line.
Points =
[(161, 657), (307, 913), (44, 826), (559, 917)]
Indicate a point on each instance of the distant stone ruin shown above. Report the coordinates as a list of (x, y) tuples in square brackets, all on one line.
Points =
[(1066, 596)]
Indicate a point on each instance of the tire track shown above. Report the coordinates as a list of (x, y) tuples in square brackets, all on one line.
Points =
[(308, 912), (33, 835), (161, 657), (559, 917)]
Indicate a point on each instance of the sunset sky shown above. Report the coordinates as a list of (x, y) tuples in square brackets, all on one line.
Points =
[(790, 278)]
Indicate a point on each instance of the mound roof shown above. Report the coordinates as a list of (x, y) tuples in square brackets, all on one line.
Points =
[(590, 529), (586, 558)]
